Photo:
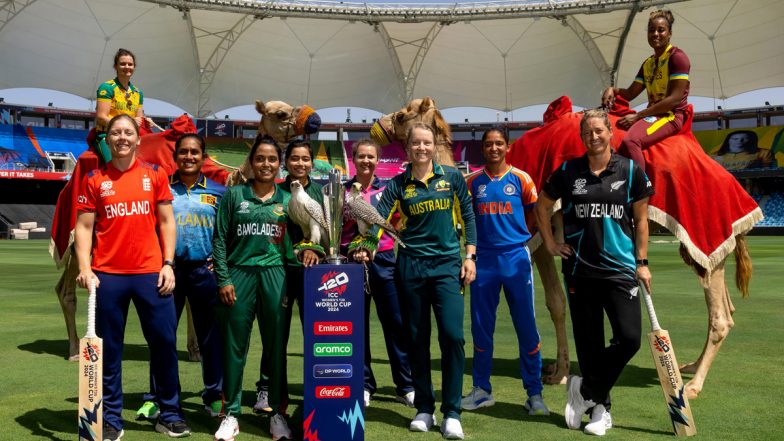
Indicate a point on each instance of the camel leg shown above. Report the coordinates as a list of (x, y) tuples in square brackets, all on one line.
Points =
[(719, 324), (556, 304), (193, 342), (66, 295)]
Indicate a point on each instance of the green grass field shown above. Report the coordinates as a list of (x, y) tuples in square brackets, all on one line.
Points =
[(742, 398)]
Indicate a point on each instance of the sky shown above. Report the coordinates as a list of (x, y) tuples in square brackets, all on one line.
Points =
[(153, 107)]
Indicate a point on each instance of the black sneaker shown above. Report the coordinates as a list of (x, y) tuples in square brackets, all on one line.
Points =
[(112, 434), (176, 429)]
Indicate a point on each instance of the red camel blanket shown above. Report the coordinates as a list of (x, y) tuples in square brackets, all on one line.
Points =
[(696, 198), (156, 148)]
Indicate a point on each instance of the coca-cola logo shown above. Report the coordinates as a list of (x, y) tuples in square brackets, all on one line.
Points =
[(326, 392)]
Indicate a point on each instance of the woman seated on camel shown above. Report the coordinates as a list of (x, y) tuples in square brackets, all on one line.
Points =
[(665, 77)]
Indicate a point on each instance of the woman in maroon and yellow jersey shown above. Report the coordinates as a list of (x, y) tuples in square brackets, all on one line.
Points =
[(665, 77)]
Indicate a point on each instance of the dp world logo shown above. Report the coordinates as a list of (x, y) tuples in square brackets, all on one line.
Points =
[(332, 349), (333, 283)]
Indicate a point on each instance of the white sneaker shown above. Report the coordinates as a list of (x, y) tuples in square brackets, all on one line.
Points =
[(229, 428), (262, 403), (452, 429), (407, 399), (576, 405), (422, 422), (477, 398), (601, 420), (279, 428), (367, 398)]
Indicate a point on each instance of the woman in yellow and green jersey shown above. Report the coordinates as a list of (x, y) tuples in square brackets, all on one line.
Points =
[(665, 77), (118, 96)]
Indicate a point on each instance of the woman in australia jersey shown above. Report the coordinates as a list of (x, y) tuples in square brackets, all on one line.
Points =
[(123, 203), (117, 96), (431, 199), (249, 251), (665, 77), (605, 214)]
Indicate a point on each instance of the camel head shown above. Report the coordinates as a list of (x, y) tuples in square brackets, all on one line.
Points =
[(395, 126), (284, 122)]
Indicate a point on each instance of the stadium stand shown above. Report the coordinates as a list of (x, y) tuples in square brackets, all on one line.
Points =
[(12, 215), (773, 207)]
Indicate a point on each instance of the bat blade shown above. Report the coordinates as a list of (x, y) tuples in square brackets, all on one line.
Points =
[(671, 383), (91, 379)]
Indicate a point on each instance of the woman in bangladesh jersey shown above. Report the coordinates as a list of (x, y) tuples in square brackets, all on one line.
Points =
[(665, 77), (249, 250)]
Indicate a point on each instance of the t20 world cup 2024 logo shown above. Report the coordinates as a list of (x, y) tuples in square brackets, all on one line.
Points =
[(333, 286)]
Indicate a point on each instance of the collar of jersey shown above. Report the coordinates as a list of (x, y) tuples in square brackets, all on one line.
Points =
[(175, 179), (287, 183), (132, 167), (664, 54), (437, 171), (494, 177), (131, 87), (248, 194), (375, 184), (612, 165)]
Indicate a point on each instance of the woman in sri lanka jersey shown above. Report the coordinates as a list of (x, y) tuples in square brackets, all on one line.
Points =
[(665, 77)]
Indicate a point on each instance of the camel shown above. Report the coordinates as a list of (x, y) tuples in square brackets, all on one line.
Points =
[(279, 120), (395, 126), (688, 185)]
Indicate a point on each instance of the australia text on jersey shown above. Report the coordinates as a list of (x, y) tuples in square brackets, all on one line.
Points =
[(431, 205)]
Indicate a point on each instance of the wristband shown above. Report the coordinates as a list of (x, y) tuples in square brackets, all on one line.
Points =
[(169, 262), (471, 256), (641, 262)]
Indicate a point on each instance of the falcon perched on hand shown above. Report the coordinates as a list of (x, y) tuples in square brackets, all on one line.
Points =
[(366, 215), (308, 214)]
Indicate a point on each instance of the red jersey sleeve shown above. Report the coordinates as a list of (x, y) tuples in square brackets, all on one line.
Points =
[(85, 199), (162, 190), (679, 65)]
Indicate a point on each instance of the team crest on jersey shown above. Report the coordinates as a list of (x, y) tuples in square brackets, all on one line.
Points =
[(443, 185), (579, 186), (244, 207), (481, 191), (146, 183), (616, 185), (410, 192), (278, 210), (209, 199), (106, 189), (509, 190), (103, 93)]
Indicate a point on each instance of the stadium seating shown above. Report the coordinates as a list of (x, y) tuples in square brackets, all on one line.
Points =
[(773, 207), (12, 215)]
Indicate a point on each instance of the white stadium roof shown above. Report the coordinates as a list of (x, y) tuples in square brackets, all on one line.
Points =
[(208, 55)]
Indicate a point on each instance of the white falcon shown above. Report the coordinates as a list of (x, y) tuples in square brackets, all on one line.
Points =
[(308, 214), (366, 215)]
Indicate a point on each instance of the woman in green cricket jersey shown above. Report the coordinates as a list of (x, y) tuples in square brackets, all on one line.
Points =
[(432, 199), (249, 249)]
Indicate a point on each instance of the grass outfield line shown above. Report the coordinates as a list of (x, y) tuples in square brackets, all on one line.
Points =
[(743, 396)]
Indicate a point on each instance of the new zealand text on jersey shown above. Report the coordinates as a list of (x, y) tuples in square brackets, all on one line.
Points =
[(127, 209), (431, 205), (256, 229), (583, 211)]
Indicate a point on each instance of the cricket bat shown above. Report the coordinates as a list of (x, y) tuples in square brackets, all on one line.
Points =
[(669, 374), (91, 377)]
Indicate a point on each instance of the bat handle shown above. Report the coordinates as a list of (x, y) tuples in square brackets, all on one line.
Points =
[(91, 310), (651, 312)]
